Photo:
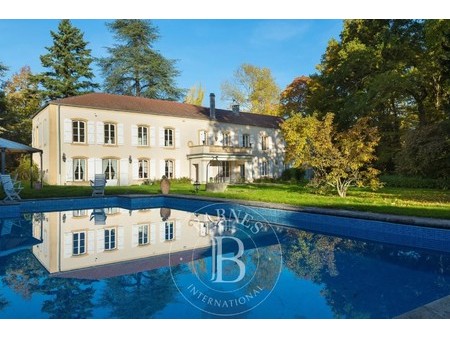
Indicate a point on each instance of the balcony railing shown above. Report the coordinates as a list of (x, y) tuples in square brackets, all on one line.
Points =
[(216, 150)]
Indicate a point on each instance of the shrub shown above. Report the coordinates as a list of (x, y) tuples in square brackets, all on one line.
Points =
[(293, 175), (23, 171), (426, 152), (398, 181)]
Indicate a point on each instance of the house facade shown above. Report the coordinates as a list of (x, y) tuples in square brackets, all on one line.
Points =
[(133, 139)]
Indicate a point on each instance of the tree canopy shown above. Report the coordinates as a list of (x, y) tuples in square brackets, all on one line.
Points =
[(22, 100), (134, 67), (69, 64), (195, 95), (254, 89), (338, 159), (395, 72)]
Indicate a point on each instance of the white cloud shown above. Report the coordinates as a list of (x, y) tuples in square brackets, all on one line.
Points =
[(278, 30)]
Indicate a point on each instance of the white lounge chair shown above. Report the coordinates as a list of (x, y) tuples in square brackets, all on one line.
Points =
[(98, 185), (11, 188), (99, 216)]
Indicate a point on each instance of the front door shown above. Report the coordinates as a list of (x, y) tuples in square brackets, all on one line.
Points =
[(242, 170)]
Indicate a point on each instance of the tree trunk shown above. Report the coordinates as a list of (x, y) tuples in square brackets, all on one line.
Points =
[(341, 189)]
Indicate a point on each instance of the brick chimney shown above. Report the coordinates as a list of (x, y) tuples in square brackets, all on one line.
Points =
[(235, 108), (212, 106)]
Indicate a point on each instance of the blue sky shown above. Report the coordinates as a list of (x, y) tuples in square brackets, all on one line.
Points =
[(208, 51), (210, 39)]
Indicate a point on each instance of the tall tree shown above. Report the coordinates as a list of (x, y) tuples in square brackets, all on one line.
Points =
[(293, 99), (3, 69), (69, 64), (388, 70), (195, 95), (254, 89), (134, 67), (22, 101)]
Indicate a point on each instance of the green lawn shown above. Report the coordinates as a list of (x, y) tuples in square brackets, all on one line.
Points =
[(400, 201)]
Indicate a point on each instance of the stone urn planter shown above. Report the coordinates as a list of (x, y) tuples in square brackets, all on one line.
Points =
[(165, 185), (216, 187)]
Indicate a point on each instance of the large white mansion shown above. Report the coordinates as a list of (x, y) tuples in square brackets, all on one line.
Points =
[(132, 139)]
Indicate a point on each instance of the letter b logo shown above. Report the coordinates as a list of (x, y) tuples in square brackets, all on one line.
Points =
[(218, 259)]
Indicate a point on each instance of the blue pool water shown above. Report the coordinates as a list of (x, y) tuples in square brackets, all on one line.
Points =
[(158, 258)]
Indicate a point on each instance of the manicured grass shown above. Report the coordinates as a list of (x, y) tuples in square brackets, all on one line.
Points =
[(400, 201)]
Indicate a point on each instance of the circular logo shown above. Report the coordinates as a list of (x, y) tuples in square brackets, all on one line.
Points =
[(234, 264)]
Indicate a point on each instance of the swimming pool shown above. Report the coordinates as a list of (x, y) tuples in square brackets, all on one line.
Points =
[(157, 257)]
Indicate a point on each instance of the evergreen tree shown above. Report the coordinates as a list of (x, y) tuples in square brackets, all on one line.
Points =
[(3, 69), (69, 64), (134, 67)]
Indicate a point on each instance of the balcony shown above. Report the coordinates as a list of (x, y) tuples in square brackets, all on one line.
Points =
[(210, 150)]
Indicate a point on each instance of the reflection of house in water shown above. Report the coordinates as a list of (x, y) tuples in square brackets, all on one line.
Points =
[(107, 242)]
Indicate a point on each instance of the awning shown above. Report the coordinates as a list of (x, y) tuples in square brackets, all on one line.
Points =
[(14, 147), (8, 146)]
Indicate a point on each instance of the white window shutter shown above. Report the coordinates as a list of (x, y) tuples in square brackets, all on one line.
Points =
[(91, 242), (203, 228), (91, 168), (260, 142), (120, 134), (177, 138), (161, 137), (220, 137), (177, 169), (240, 143), (269, 142), (135, 169), (98, 166), (178, 225), (121, 237), (91, 132), (45, 132), (69, 170), (134, 236), (152, 136), (232, 138), (41, 137), (67, 131), (68, 243), (134, 135), (152, 173), (100, 240), (211, 140), (162, 231), (162, 168), (123, 171), (252, 140), (152, 233), (100, 133)]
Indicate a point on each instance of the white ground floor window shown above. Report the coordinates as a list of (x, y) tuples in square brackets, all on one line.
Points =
[(109, 168)]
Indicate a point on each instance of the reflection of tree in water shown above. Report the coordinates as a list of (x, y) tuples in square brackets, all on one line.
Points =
[(267, 267), (363, 279), (3, 302), (69, 298), (72, 298), (383, 281), (311, 255), (24, 274), (139, 295)]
